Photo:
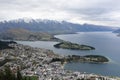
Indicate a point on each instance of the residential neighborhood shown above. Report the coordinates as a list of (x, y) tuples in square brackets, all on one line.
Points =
[(37, 62)]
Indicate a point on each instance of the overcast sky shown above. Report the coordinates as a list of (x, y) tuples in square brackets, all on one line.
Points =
[(103, 12)]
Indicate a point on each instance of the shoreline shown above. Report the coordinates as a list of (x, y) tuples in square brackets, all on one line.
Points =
[(41, 58), (112, 77)]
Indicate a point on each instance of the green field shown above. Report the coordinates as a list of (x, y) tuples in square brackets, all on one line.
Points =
[(30, 78)]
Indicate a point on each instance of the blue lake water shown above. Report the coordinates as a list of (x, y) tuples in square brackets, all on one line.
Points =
[(106, 44)]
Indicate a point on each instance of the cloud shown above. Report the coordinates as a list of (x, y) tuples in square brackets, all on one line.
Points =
[(105, 12)]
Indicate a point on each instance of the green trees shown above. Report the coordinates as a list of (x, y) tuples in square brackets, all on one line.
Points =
[(5, 44), (7, 74), (2, 75), (19, 76)]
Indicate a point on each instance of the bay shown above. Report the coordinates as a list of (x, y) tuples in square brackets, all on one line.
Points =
[(106, 44)]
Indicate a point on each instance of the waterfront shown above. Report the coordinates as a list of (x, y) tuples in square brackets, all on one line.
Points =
[(106, 44), (39, 63)]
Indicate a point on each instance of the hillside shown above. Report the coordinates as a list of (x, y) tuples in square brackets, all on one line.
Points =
[(50, 26), (117, 31), (23, 34)]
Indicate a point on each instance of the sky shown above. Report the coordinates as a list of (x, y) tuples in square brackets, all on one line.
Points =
[(100, 12)]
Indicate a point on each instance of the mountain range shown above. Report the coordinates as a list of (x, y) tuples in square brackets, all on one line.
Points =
[(30, 29), (50, 26), (117, 31)]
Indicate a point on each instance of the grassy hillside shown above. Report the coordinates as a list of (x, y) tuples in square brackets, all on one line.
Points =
[(23, 34)]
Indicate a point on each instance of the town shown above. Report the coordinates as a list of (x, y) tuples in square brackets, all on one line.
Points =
[(37, 62)]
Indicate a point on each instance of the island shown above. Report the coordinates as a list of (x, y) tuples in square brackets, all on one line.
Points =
[(73, 46)]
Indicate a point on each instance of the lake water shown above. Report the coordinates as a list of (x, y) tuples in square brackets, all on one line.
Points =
[(106, 44)]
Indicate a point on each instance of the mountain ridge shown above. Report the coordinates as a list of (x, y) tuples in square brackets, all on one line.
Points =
[(50, 26), (23, 34), (117, 31)]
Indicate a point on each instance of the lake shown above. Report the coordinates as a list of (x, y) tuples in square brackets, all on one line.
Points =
[(106, 44)]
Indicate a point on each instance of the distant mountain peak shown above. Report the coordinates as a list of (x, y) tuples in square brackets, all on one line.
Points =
[(51, 26), (29, 20)]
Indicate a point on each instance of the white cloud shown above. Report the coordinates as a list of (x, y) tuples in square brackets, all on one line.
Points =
[(105, 12)]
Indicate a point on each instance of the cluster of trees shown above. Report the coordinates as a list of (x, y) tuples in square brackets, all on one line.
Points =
[(2, 62), (7, 74), (62, 60), (5, 44)]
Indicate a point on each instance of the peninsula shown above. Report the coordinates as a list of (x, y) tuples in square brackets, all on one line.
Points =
[(86, 58)]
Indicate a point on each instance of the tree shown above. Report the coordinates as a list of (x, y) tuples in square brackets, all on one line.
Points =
[(19, 76), (8, 74), (2, 75)]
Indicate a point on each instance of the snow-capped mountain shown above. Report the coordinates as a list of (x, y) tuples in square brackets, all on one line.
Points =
[(51, 26)]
